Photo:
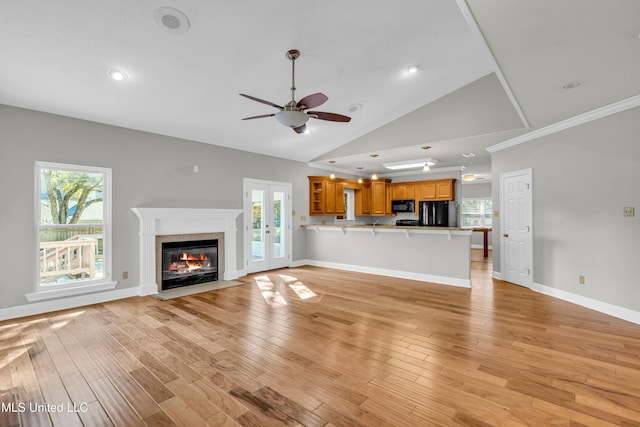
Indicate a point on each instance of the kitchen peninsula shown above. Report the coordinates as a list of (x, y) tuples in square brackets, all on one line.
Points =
[(430, 254)]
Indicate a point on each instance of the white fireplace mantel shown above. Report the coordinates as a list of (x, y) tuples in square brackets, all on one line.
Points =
[(167, 221)]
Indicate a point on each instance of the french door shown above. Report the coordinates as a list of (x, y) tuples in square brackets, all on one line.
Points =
[(267, 228), (517, 235)]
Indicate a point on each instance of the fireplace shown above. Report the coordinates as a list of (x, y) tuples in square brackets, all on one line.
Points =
[(159, 225), (189, 262)]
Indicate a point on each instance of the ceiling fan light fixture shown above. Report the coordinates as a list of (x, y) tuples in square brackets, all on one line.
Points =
[(292, 119)]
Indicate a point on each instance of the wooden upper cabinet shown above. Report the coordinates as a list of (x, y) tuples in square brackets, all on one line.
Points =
[(440, 189), (316, 195), (426, 191), (378, 197), (326, 196), (334, 198), (404, 191)]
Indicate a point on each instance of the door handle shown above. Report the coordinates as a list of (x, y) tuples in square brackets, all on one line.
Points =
[(505, 235)]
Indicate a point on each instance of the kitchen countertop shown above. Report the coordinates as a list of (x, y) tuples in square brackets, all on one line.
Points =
[(386, 227)]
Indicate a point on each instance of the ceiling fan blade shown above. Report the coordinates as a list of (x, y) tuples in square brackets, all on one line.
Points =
[(259, 117), (262, 101), (332, 117), (300, 129), (312, 101)]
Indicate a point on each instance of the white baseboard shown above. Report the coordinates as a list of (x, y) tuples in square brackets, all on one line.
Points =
[(69, 302), (442, 280), (602, 307), (496, 275), (234, 274)]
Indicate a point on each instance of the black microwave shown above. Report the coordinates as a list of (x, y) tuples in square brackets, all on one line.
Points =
[(402, 206)]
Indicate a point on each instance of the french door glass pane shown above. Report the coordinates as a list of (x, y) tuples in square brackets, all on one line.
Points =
[(278, 224), (258, 223)]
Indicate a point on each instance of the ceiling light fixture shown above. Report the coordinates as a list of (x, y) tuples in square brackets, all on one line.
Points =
[(117, 75), (360, 181), (413, 69), (469, 177), (333, 175), (374, 175), (468, 155), (426, 168), (411, 164)]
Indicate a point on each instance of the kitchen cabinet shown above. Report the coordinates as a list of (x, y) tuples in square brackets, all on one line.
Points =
[(326, 196), (439, 189), (403, 191), (334, 198), (379, 197), (316, 195)]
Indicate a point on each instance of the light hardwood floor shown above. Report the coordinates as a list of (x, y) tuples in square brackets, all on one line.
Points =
[(312, 346)]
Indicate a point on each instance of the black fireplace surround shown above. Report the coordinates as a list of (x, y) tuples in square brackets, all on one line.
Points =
[(189, 263)]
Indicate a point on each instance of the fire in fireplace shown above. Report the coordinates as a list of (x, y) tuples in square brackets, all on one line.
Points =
[(189, 263)]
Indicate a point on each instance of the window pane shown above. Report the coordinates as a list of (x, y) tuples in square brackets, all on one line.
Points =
[(476, 213), (278, 223), (71, 253), (470, 213), (71, 232), (71, 197), (257, 227), (488, 213)]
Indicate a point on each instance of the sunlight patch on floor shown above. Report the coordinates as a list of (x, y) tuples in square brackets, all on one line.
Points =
[(298, 287), (269, 292)]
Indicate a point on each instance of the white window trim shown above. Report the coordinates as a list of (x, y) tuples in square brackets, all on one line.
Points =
[(40, 292)]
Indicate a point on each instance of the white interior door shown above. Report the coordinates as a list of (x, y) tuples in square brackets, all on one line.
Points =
[(267, 227), (517, 233)]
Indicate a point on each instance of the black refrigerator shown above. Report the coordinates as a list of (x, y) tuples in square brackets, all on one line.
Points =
[(439, 214)]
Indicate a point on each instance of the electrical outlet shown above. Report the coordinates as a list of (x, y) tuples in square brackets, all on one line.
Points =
[(581, 280), (125, 275), (303, 217), (629, 211)]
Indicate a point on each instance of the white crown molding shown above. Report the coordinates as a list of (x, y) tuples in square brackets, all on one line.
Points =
[(473, 26), (598, 113)]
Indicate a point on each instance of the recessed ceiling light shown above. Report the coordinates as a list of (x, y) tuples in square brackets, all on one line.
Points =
[(413, 69), (117, 75), (572, 85)]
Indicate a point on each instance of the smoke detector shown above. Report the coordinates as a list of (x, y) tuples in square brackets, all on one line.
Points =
[(171, 20)]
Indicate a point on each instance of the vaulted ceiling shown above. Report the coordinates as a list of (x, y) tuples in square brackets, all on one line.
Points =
[(487, 70)]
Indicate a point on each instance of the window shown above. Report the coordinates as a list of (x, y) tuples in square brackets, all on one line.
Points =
[(476, 212), (73, 234)]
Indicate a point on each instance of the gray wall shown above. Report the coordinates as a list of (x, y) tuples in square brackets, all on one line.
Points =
[(148, 170), (582, 179)]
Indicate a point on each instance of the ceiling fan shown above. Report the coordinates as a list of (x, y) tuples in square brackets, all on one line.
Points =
[(295, 114)]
